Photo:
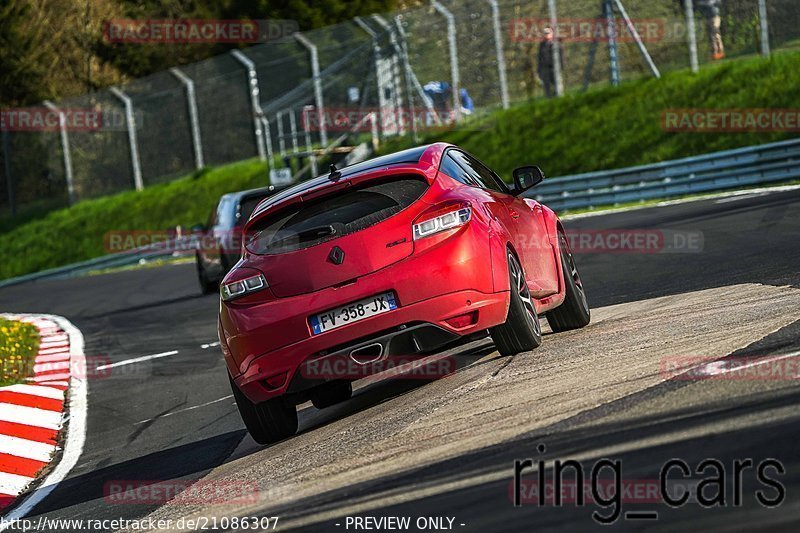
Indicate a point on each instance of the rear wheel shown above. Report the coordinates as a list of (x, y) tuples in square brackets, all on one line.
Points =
[(331, 393), (521, 332), (574, 312), (267, 422)]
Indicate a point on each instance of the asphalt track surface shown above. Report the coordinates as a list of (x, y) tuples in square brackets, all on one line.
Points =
[(446, 448)]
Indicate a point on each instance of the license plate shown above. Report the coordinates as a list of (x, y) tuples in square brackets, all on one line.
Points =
[(347, 314)]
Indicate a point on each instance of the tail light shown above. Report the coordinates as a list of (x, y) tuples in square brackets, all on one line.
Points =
[(441, 218), (241, 282)]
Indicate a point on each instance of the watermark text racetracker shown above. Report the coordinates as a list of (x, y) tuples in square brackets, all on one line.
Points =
[(730, 120), (783, 367), (638, 241), (364, 119), (625, 241), (583, 30), (91, 119), (185, 31), (393, 366)]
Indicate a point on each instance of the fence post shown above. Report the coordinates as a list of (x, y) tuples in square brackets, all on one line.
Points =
[(376, 50), (194, 123), (311, 157), (281, 136), (397, 82), (132, 139), (268, 138), (62, 127), (400, 50), (293, 129), (613, 50), (691, 33), (637, 38), (312, 50), (501, 58), (453, 45), (551, 6), (12, 205), (762, 15), (252, 79)]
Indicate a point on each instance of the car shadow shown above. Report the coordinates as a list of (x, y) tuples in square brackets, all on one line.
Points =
[(192, 461)]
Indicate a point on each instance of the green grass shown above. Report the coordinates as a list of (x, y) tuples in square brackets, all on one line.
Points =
[(613, 128), (19, 343), (601, 129), (76, 234)]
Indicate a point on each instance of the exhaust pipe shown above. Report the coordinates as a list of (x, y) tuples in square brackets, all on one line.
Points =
[(367, 354)]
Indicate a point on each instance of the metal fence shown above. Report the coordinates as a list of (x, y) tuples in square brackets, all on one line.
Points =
[(718, 171), (283, 101)]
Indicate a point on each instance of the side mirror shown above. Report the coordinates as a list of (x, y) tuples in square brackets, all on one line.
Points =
[(526, 177)]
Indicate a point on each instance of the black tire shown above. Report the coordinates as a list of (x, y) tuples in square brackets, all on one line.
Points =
[(331, 393), (206, 286), (267, 422), (521, 332), (574, 313)]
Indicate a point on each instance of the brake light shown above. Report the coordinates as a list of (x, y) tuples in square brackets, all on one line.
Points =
[(452, 216), (241, 287)]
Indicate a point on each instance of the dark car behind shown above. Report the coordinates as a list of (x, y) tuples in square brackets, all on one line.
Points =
[(220, 238)]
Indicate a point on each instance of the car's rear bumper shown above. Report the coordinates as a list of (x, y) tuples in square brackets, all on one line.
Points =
[(269, 338), (406, 331)]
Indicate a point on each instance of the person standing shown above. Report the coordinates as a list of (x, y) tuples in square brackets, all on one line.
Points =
[(710, 9), (546, 62)]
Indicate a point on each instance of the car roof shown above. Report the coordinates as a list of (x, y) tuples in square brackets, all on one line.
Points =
[(409, 156), (238, 196)]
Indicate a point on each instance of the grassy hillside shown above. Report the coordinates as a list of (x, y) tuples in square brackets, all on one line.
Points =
[(613, 128), (606, 128), (75, 234)]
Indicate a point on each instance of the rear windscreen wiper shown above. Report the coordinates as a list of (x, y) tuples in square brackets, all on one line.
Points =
[(305, 235)]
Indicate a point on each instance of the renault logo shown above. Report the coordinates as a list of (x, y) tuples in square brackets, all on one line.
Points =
[(336, 256)]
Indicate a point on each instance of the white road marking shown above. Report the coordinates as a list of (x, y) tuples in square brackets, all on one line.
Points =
[(32, 416), (209, 345), (601, 211), (36, 390), (186, 409), (137, 360), (76, 431), (13, 483), (736, 198), (29, 449)]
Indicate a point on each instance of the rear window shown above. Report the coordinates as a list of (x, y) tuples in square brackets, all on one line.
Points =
[(331, 217)]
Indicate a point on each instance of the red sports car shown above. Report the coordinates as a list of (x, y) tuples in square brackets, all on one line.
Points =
[(396, 256)]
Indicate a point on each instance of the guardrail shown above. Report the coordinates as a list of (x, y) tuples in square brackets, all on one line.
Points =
[(129, 257), (718, 171)]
